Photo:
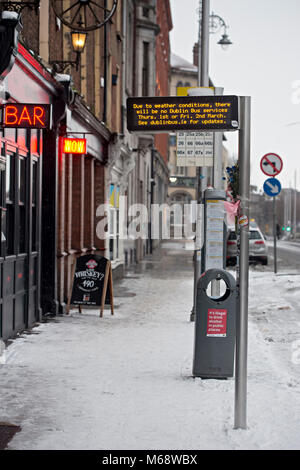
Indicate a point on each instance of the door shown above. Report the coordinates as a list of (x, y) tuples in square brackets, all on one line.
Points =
[(20, 230)]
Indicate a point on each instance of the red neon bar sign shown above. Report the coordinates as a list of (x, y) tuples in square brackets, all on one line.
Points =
[(72, 145), (32, 116)]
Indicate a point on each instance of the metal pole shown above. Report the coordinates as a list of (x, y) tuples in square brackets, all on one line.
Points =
[(218, 167), (240, 419), (199, 43), (151, 198), (217, 184), (203, 80), (217, 176), (290, 209), (295, 205), (274, 235), (204, 66), (284, 210), (198, 170)]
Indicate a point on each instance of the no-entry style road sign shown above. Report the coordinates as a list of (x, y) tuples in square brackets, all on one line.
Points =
[(272, 187), (271, 164)]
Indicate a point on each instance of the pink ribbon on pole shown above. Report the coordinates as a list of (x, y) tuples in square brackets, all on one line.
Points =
[(232, 210)]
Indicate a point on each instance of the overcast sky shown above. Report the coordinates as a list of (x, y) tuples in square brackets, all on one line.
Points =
[(263, 62)]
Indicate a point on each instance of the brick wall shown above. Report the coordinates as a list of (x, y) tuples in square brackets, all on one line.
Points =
[(30, 32), (88, 80)]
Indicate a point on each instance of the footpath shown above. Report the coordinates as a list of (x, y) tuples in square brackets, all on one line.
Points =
[(124, 381)]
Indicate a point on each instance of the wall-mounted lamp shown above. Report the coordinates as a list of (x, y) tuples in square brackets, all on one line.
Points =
[(78, 44), (78, 41)]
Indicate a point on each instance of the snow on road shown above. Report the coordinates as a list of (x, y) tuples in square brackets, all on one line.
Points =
[(285, 245), (124, 382)]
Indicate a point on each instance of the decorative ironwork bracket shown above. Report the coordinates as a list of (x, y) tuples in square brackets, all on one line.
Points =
[(19, 6), (59, 66)]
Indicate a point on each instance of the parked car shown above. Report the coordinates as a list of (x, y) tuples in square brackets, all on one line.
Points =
[(258, 250)]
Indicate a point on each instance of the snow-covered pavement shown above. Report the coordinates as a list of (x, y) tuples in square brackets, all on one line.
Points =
[(124, 382), (288, 256)]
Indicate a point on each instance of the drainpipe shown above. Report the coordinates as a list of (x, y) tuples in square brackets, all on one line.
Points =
[(124, 45)]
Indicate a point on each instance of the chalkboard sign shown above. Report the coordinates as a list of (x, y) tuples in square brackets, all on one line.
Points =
[(92, 283)]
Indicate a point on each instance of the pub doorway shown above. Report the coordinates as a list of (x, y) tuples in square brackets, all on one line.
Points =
[(20, 198)]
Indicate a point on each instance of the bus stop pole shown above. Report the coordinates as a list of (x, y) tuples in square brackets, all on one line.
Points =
[(240, 408)]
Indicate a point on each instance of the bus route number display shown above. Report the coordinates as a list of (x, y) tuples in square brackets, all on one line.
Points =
[(171, 113)]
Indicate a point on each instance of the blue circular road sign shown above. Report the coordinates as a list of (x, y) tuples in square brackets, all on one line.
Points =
[(272, 187)]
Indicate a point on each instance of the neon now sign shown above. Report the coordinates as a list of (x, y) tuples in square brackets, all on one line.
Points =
[(71, 145), (34, 116)]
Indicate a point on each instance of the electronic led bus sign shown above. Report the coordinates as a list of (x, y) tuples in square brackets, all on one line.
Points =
[(185, 113)]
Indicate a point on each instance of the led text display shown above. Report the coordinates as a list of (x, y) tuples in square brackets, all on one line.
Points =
[(171, 113)]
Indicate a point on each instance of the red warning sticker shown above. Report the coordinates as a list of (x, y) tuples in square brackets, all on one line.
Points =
[(216, 323)]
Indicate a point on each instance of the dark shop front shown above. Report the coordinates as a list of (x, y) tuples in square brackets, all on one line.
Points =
[(27, 94)]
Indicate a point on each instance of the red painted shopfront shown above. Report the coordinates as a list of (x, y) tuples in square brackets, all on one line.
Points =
[(22, 153)]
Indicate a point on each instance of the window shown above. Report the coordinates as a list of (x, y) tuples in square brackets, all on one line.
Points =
[(146, 12), (172, 140), (181, 170), (232, 236), (254, 235), (129, 50), (181, 197), (145, 69), (113, 222), (10, 210), (88, 201), (2, 198), (22, 201), (34, 203), (9, 177), (112, 229)]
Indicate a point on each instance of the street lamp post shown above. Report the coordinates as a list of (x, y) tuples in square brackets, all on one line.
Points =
[(209, 23)]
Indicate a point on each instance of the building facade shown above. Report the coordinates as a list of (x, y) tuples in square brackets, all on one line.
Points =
[(56, 205)]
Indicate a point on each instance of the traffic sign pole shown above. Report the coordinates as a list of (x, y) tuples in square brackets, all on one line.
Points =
[(271, 165), (274, 235), (272, 188)]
